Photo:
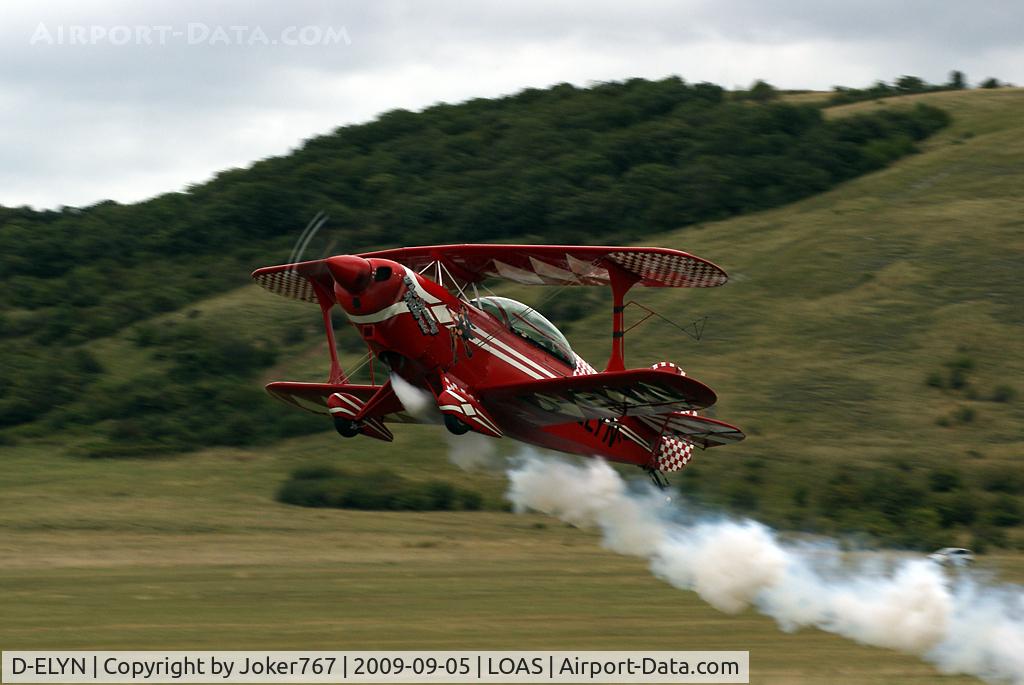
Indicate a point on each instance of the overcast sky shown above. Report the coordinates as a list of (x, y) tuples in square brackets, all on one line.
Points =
[(125, 100)]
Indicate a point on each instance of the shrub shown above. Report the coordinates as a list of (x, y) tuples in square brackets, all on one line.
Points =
[(381, 490), (1005, 511), (921, 530), (134, 450), (959, 367), (470, 500), (304, 492), (742, 498), (986, 536), (965, 415), (961, 361), (1003, 479), (800, 497), (944, 480), (961, 508), (315, 472), (294, 335), (1004, 393), (145, 335)]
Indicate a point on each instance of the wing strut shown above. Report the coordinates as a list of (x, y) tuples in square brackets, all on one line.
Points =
[(621, 282), (326, 302)]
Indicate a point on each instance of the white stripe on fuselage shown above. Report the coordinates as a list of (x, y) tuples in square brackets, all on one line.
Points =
[(383, 315), (499, 348), (507, 359), (420, 290), (398, 307), (522, 357)]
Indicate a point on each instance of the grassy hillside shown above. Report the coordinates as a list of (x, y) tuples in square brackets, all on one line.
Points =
[(845, 310), (848, 321), (868, 342), (614, 161), (860, 342)]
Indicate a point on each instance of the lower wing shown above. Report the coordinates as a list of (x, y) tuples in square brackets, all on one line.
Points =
[(313, 398), (608, 395)]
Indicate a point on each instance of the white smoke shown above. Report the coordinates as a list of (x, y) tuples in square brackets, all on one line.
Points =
[(470, 452), (908, 605), (473, 451), (419, 403)]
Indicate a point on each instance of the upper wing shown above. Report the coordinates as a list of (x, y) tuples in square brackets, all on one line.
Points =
[(295, 280), (657, 267), (612, 394), (313, 397)]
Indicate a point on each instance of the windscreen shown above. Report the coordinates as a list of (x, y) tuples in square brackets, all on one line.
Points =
[(530, 324)]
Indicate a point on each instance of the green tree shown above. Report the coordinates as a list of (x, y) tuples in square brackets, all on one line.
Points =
[(762, 91), (910, 84)]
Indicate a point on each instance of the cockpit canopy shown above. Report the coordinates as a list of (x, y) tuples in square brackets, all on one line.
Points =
[(528, 323)]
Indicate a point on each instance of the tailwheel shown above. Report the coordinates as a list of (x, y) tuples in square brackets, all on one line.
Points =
[(346, 428)]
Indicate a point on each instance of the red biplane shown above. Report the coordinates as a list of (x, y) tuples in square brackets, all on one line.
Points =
[(497, 366)]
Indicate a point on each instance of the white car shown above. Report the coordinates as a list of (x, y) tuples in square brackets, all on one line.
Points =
[(957, 557)]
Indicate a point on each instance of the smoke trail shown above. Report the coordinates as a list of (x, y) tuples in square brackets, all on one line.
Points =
[(470, 452), (419, 403), (473, 452), (908, 605)]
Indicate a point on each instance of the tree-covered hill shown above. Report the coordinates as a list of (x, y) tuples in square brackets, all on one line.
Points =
[(618, 160), (611, 163)]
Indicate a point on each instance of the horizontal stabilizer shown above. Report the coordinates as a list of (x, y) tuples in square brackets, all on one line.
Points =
[(608, 395), (697, 430)]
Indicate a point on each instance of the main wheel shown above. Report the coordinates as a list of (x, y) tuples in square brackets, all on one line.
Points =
[(454, 426), (345, 428)]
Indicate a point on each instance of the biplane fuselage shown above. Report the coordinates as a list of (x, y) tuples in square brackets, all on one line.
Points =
[(493, 365), (491, 354)]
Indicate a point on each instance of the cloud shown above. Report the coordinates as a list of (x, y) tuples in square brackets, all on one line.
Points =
[(80, 123)]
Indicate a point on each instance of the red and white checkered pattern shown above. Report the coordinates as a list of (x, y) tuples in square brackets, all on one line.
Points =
[(653, 268), (668, 367), (673, 454), (676, 271), (287, 284), (582, 368)]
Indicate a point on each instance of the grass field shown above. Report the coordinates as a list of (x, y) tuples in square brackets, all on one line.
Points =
[(839, 307), (192, 552)]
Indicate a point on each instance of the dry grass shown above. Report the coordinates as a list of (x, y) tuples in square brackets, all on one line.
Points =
[(192, 552)]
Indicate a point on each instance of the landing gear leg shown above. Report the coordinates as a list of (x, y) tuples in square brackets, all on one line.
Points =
[(658, 478)]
